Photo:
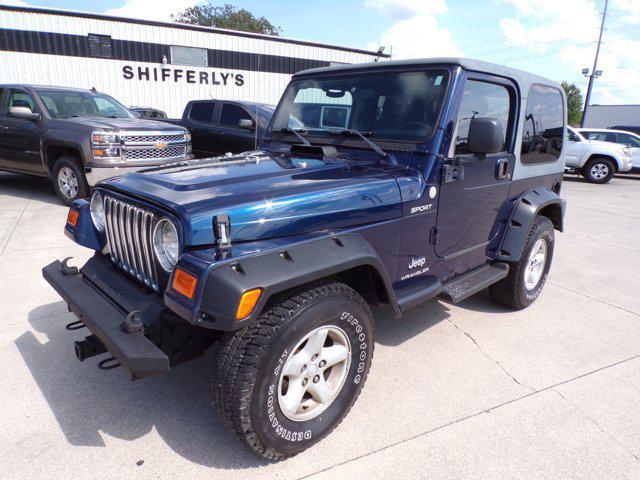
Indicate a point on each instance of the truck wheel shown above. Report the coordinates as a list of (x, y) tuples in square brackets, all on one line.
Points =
[(599, 170), (69, 180), (527, 277), (287, 381)]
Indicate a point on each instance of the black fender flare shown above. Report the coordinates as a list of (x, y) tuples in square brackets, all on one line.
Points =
[(537, 201), (282, 269)]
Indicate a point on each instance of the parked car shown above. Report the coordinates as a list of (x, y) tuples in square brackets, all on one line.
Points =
[(149, 113), (627, 128), (595, 160), (223, 126), (78, 137), (280, 254), (628, 139)]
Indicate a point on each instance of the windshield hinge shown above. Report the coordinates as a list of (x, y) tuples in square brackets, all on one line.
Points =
[(222, 229)]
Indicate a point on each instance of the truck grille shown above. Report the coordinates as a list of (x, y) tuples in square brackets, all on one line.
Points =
[(147, 153), (130, 236), (154, 138)]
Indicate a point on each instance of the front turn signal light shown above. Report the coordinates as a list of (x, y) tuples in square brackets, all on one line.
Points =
[(247, 303), (184, 283), (72, 217)]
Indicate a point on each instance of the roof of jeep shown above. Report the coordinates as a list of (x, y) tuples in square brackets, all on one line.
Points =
[(523, 79)]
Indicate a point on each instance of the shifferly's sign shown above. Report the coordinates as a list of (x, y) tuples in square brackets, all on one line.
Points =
[(176, 75)]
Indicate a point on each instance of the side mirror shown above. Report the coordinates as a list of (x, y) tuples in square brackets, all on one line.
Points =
[(485, 136), (23, 112), (246, 124), (137, 114)]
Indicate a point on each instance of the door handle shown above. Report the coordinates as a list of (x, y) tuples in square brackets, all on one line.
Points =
[(502, 168), (220, 134), (4, 127)]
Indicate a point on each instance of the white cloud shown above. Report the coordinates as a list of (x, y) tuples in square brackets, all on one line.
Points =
[(150, 9), (15, 3), (569, 29), (416, 33)]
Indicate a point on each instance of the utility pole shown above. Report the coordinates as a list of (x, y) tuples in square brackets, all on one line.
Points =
[(595, 65)]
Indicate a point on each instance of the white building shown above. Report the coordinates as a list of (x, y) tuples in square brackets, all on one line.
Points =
[(154, 64), (606, 116)]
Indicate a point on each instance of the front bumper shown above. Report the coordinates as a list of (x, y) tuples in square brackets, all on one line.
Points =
[(100, 298), (97, 172)]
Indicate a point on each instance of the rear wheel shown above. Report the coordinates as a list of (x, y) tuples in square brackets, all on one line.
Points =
[(527, 277), (69, 180), (286, 382), (599, 170)]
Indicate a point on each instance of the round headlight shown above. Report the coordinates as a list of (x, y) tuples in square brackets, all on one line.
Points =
[(97, 211), (165, 244)]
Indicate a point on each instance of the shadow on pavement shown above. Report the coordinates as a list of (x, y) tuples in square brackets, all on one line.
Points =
[(28, 187), (87, 401)]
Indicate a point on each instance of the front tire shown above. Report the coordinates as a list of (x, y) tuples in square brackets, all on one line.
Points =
[(599, 170), (527, 277), (286, 382), (69, 180)]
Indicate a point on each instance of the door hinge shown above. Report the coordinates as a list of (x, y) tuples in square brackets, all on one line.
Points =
[(451, 173), (433, 236)]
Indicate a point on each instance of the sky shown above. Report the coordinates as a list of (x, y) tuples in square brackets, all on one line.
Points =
[(553, 38)]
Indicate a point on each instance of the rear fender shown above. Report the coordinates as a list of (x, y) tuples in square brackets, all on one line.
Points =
[(538, 201)]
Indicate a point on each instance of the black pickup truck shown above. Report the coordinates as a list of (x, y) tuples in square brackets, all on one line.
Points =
[(79, 137), (221, 126)]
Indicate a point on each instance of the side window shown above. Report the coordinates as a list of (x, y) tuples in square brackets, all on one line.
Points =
[(628, 140), (572, 137), (231, 115), (19, 98), (201, 111), (482, 99), (543, 125), (610, 137)]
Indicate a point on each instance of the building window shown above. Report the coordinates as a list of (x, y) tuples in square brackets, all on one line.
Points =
[(100, 46), (195, 57), (543, 125)]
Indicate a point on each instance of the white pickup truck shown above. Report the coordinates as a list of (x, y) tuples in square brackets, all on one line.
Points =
[(597, 161)]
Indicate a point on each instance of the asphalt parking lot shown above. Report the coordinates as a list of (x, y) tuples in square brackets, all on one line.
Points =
[(468, 391)]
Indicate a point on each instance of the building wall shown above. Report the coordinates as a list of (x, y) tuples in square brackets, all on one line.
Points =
[(52, 49), (605, 116)]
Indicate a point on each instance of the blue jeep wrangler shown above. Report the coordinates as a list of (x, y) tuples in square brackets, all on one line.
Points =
[(376, 185)]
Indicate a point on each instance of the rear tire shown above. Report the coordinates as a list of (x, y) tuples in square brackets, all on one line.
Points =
[(527, 277), (599, 170), (69, 180), (286, 382)]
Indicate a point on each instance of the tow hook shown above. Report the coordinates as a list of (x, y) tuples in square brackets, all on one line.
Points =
[(66, 269), (132, 323)]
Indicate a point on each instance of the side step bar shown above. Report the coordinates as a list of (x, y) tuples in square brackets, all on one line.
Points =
[(474, 281), (417, 293)]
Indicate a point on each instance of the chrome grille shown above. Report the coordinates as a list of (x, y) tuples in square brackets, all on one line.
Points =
[(147, 153), (130, 236), (153, 138)]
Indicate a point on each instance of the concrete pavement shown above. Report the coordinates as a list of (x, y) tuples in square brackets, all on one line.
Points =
[(466, 391)]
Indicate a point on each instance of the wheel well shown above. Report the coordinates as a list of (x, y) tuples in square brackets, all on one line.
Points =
[(364, 279), (554, 213), (597, 155), (54, 152)]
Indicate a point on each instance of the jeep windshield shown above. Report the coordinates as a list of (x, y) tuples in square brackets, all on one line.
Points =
[(70, 103), (388, 106)]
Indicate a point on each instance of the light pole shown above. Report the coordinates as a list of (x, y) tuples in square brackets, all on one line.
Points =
[(595, 73)]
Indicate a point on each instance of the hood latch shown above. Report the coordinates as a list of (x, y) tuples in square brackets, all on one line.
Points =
[(222, 229)]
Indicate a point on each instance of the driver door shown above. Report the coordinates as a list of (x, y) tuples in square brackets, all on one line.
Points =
[(20, 137), (478, 184)]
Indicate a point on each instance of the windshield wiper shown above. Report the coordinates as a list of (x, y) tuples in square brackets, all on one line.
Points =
[(296, 133), (355, 133)]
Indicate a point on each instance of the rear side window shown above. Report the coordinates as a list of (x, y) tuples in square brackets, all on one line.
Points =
[(232, 114), (543, 125), (628, 140), (201, 111)]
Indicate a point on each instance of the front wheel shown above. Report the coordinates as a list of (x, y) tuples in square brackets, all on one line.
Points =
[(526, 278), (286, 382), (599, 170), (69, 180)]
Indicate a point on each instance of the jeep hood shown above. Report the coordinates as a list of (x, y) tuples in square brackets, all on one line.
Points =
[(266, 195)]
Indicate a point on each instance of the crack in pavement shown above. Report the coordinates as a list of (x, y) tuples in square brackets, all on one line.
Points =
[(473, 415), (15, 225), (468, 335), (593, 420)]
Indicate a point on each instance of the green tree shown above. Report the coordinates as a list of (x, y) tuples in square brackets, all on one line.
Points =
[(574, 102), (227, 16)]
